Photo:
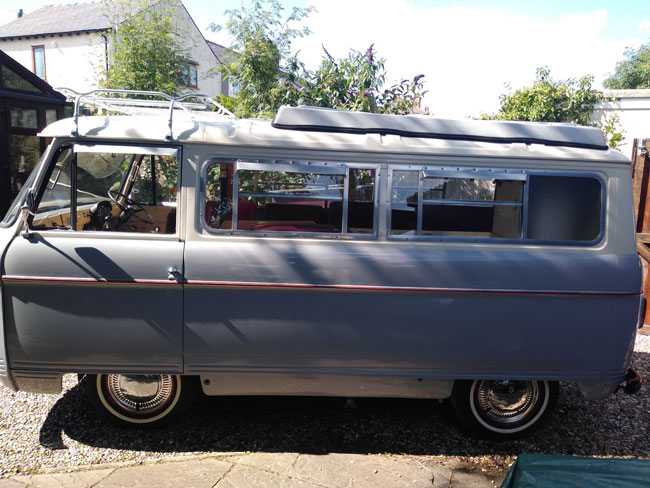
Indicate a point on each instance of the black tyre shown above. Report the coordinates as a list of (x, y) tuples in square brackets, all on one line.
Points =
[(503, 409), (141, 400)]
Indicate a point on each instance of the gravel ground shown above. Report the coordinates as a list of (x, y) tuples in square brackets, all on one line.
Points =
[(39, 432)]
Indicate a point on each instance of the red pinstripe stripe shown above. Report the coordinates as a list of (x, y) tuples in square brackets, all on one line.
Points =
[(319, 286)]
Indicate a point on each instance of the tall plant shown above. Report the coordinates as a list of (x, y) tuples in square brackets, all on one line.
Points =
[(148, 52)]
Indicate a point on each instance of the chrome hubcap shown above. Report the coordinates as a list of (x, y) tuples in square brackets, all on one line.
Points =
[(140, 394), (507, 402)]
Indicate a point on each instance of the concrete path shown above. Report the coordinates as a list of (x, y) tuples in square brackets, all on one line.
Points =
[(262, 470)]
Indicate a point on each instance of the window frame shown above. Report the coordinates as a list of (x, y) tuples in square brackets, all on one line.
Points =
[(496, 173), (98, 147), (191, 65), (34, 49), (296, 166)]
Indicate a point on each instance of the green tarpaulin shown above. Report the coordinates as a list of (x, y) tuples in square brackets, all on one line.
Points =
[(541, 471)]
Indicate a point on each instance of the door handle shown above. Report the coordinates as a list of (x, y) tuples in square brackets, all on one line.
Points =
[(173, 274)]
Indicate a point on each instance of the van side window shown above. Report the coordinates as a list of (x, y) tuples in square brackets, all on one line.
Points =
[(53, 211), (290, 197), (564, 208), (91, 188), (218, 195), (432, 205)]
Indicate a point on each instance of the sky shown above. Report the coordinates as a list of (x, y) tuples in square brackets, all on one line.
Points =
[(469, 51)]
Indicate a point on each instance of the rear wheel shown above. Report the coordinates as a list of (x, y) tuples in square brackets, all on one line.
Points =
[(503, 409), (141, 400)]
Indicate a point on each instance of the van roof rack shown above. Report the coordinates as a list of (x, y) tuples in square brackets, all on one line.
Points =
[(148, 103), (319, 119)]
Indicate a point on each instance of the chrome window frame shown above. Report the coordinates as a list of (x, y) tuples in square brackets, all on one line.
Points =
[(120, 148), (295, 166), (497, 173)]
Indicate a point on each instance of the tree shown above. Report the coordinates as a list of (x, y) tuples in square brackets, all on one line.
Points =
[(355, 83), (264, 67), (270, 75), (549, 100), (633, 71), (148, 52)]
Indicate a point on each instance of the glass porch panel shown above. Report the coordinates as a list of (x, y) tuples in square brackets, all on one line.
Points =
[(23, 155)]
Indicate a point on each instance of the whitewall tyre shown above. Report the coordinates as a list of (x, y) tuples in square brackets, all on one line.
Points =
[(500, 409), (141, 400)]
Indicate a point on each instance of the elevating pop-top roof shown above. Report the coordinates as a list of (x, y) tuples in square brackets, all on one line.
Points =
[(328, 120)]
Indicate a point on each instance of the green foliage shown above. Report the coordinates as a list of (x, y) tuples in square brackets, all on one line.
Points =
[(147, 52), (263, 66), (355, 83), (270, 75), (549, 100), (633, 71), (611, 127)]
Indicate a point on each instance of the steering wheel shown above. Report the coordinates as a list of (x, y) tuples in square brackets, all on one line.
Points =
[(132, 207)]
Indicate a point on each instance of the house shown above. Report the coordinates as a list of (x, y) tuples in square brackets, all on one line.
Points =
[(27, 104), (70, 46)]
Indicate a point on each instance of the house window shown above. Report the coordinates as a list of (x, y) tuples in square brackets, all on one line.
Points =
[(38, 58), (193, 76)]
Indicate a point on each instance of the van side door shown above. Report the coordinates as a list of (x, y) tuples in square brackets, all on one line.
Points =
[(94, 284)]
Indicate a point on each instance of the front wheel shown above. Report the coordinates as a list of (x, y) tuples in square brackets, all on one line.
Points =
[(141, 400), (500, 409)]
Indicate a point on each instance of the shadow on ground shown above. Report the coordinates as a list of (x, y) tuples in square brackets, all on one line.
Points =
[(323, 425)]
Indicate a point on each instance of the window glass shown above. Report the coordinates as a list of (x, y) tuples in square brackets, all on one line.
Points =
[(404, 202), (53, 211), (472, 207), (24, 118), (50, 115), (113, 192), (39, 61), (361, 201), (462, 207), (11, 79), (193, 80), (218, 194), (23, 154), (564, 208), (289, 201)]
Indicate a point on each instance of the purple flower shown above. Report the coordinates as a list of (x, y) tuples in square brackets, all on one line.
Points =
[(370, 55), (350, 94), (367, 93), (417, 78)]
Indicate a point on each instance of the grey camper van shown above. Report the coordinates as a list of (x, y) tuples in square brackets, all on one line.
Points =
[(172, 250)]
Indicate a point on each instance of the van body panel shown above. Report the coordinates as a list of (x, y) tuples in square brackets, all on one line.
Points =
[(341, 307), (86, 304)]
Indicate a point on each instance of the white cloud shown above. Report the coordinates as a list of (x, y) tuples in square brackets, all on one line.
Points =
[(466, 54), (644, 26)]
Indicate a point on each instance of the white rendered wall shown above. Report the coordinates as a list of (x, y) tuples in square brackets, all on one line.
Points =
[(633, 109), (70, 61)]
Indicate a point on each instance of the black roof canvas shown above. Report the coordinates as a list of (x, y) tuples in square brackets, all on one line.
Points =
[(318, 119)]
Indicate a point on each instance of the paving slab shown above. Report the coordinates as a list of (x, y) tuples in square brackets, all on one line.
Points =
[(248, 477), (79, 479), (11, 483), (469, 479), (274, 462), (368, 471), (203, 473)]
